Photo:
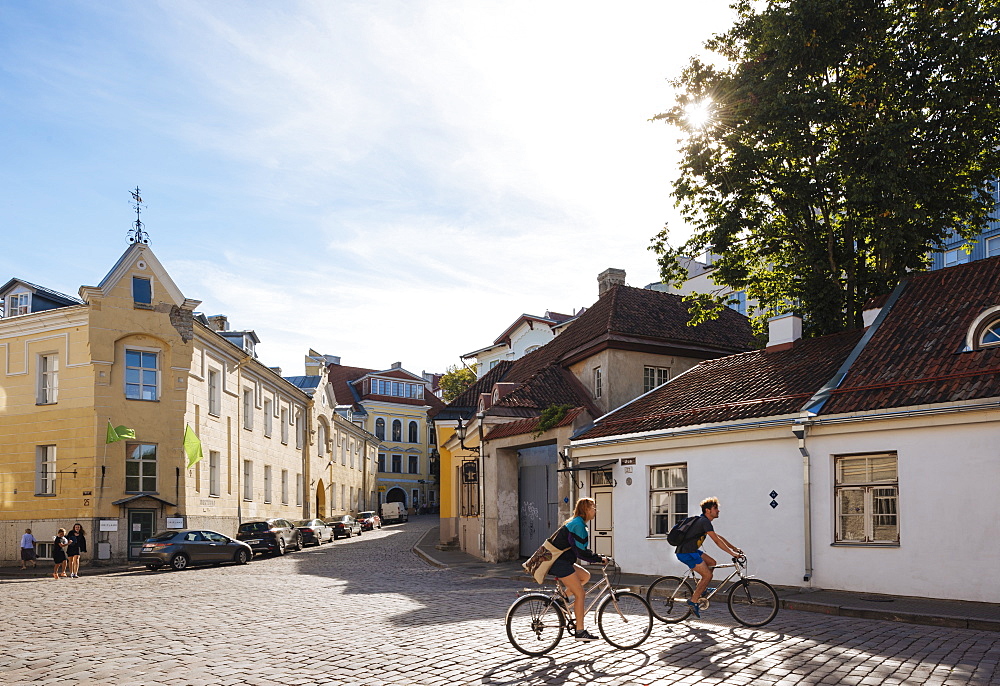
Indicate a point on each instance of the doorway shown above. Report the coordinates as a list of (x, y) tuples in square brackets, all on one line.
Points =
[(538, 496), (601, 490), (141, 525)]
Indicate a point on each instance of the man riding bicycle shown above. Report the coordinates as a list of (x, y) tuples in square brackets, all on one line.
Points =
[(690, 554)]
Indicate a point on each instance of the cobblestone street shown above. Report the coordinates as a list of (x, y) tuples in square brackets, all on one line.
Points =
[(368, 611)]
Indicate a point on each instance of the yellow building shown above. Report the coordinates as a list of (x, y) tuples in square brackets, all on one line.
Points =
[(133, 353)]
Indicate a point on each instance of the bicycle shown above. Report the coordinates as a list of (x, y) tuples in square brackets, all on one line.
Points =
[(536, 620), (751, 602)]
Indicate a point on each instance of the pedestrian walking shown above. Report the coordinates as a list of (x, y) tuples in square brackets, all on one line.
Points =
[(28, 549), (77, 544), (59, 545)]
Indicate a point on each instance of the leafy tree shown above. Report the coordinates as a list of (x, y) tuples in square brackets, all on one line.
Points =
[(454, 381), (844, 140)]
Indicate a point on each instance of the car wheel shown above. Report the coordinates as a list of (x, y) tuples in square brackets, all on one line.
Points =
[(179, 561), (241, 557), (281, 546), (360, 531)]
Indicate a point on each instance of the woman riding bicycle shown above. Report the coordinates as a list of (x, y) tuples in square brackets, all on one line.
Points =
[(575, 535)]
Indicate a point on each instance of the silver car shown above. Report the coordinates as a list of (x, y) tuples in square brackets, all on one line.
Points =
[(314, 531)]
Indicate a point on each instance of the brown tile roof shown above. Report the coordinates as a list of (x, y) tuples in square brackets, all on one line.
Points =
[(343, 378), (916, 356), (530, 425), (746, 386)]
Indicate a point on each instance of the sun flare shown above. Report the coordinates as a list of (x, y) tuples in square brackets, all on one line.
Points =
[(698, 114)]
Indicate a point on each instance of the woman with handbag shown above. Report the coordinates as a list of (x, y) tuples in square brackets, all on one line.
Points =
[(573, 537)]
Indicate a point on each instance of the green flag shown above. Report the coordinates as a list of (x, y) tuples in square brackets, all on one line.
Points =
[(118, 433), (192, 446)]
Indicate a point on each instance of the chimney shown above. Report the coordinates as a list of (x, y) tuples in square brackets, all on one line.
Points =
[(397, 365), (608, 278), (783, 331), (218, 322)]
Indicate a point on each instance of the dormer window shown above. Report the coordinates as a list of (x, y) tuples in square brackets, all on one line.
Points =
[(18, 304), (985, 331)]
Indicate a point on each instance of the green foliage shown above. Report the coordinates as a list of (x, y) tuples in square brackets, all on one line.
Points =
[(847, 139), (454, 381), (551, 415)]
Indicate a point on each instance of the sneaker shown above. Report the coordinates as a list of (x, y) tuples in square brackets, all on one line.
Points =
[(695, 609), (584, 635)]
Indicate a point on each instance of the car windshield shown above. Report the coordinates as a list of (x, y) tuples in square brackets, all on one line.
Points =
[(365, 515), (304, 522), (249, 527), (162, 536)]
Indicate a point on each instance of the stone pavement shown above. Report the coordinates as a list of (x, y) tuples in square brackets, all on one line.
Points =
[(930, 611), (366, 611)]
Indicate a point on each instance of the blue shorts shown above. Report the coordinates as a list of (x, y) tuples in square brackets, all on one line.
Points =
[(692, 560)]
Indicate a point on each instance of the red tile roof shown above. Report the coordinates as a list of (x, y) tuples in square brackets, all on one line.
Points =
[(916, 356), (530, 425), (342, 378), (746, 386)]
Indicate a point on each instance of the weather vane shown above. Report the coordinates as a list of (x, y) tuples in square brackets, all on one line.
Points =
[(137, 234)]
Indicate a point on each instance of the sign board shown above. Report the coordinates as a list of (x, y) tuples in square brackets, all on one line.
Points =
[(470, 471), (628, 460), (175, 522), (109, 525), (381, 488)]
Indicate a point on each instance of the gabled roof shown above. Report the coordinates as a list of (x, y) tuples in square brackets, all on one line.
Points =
[(347, 382), (530, 425), (54, 296), (917, 357), (744, 386)]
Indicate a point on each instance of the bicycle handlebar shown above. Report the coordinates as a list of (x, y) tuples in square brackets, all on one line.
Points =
[(740, 560)]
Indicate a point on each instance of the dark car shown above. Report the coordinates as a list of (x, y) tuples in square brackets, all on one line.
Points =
[(369, 521), (180, 549), (344, 525), (270, 535), (314, 531)]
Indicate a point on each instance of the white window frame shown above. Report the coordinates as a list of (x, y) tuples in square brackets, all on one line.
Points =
[(284, 487), (214, 460), (141, 462), (396, 458), (18, 304), (45, 470), (412, 432), (875, 494), (381, 463), (267, 483), (343, 498), (954, 257), (142, 385), (284, 425), (248, 409), (321, 440), (148, 281), (248, 480), (993, 246), (654, 377), (668, 497), (991, 329), (214, 392), (268, 417), (48, 379), (299, 430)]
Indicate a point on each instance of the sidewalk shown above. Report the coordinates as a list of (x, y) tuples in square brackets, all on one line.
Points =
[(44, 570), (959, 614)]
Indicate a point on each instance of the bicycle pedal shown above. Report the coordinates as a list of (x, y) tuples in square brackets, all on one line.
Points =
[(703, 603)]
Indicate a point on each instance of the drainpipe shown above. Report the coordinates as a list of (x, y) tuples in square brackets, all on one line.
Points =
[(799, 431), (482, 485)]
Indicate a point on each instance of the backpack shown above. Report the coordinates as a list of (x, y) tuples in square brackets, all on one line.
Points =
[(678, 534)]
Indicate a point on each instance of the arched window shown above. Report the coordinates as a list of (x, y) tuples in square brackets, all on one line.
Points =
[(380, 428), (413, 437), (397, 430), (991, 334), (321, 440)]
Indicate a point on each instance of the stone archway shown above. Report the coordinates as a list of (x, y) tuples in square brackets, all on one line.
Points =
[(396, 495), (321, 501)]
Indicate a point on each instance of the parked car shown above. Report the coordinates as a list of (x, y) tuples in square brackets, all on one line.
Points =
[(369, 521), (344, 525), (393, 513), (270, 535), (314, 531), (181, 549)]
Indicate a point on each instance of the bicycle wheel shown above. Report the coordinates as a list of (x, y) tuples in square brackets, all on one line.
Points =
[(753, 602), (667, 598), (534, 624), (624, 619)]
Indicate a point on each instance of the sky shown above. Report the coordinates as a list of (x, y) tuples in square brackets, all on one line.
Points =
[(382, 181)]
